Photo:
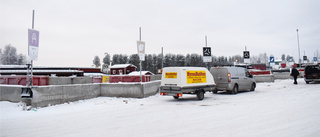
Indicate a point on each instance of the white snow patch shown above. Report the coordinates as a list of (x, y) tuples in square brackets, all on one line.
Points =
[(274, 109)]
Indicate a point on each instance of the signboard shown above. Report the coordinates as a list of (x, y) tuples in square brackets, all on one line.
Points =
[(207, 54), (246, 56), (33, 44), (196, 77), (105, 79), (141, 50), (171, 75), (305, 58), (271, 59)]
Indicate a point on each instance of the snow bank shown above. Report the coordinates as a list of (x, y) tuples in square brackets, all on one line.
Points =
[(274, 109)]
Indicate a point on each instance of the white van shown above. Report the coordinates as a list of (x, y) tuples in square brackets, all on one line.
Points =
[(232, 79), (176, 81)]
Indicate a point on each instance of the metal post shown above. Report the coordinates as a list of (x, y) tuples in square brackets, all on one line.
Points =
[(206, 41), (161, 58), (31, 80), (140, 59), (206, 46), (298, 48)]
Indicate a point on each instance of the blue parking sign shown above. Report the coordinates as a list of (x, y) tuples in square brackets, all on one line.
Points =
[(271, 59), (315, 59)]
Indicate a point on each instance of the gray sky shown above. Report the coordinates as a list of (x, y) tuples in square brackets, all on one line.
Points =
[(72, 32)]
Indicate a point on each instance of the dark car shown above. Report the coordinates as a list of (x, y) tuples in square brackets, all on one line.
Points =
[(312, 73)]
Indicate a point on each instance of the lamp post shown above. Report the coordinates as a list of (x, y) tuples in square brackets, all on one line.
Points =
[(298, 47)]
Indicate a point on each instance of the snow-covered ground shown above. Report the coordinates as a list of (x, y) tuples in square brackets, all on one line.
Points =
[(274, 109)]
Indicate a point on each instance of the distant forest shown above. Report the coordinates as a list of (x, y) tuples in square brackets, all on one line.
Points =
[(153, 61)]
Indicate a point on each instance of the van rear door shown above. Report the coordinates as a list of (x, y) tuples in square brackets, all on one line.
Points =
[(220, 76)]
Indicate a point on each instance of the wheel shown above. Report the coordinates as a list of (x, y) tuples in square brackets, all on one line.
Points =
[(235, 89), (175, 97), (307, 82), (215, 91), (200, 94), (253, 86)]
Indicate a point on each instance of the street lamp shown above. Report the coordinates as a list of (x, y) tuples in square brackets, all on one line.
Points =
[(298, 47)]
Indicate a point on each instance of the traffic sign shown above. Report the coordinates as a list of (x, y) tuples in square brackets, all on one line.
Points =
[(141, 50), (315, 59), (271, 59), (246, 54), (305, 58), (206, 51), (33, 44)]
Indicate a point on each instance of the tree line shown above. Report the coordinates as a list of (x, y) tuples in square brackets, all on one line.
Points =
[(153, 62), (9, 56)]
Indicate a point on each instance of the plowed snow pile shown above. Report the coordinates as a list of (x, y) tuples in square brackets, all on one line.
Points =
[(274, 109)]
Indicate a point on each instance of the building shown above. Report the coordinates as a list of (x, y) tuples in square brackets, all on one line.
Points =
[(122, 69)]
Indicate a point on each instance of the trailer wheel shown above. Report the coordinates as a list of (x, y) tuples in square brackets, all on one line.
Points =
[(235, 89), (215, 91), (200, 94), (175, 97)]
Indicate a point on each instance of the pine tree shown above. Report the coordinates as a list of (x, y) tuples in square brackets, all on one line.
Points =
[(96, 61)]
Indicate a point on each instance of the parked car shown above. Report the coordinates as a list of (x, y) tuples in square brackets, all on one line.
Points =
[(312, 73), (232, 79)]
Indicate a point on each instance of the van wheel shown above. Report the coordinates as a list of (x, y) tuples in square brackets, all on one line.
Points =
[(253, 87), (200, 94), (235, 89), (175, 97), (307, 82)]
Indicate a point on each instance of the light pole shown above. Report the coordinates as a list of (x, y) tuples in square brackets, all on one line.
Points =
[(298, 47)]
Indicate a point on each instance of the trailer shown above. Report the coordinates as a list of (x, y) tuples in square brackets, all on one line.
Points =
[(176, 81)]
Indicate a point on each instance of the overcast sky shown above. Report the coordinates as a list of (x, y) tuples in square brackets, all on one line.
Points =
[(72, 32)]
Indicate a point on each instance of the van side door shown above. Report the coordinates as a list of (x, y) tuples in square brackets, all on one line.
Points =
[(246, 79)]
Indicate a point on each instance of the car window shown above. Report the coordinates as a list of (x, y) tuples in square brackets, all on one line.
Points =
[(248, 74)]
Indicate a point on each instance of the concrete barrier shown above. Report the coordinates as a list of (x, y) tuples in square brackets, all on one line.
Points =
[(282, 75), (52, 95), (155, 77), (135, 90), (10, 93), (44, 96), (69, 80), (263, 78)]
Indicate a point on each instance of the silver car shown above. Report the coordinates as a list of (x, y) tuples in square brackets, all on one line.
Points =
[(232, 79)]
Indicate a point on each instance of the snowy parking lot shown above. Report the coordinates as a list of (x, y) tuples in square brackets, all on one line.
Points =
[(273, 109)]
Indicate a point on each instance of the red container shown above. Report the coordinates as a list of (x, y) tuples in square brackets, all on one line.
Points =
[(97, 80), (260, 72), (116, 79), (21, 80)]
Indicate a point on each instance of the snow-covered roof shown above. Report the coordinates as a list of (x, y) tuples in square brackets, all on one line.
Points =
[(94, 74), (138, 73), (121, 65), (44, 67)]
